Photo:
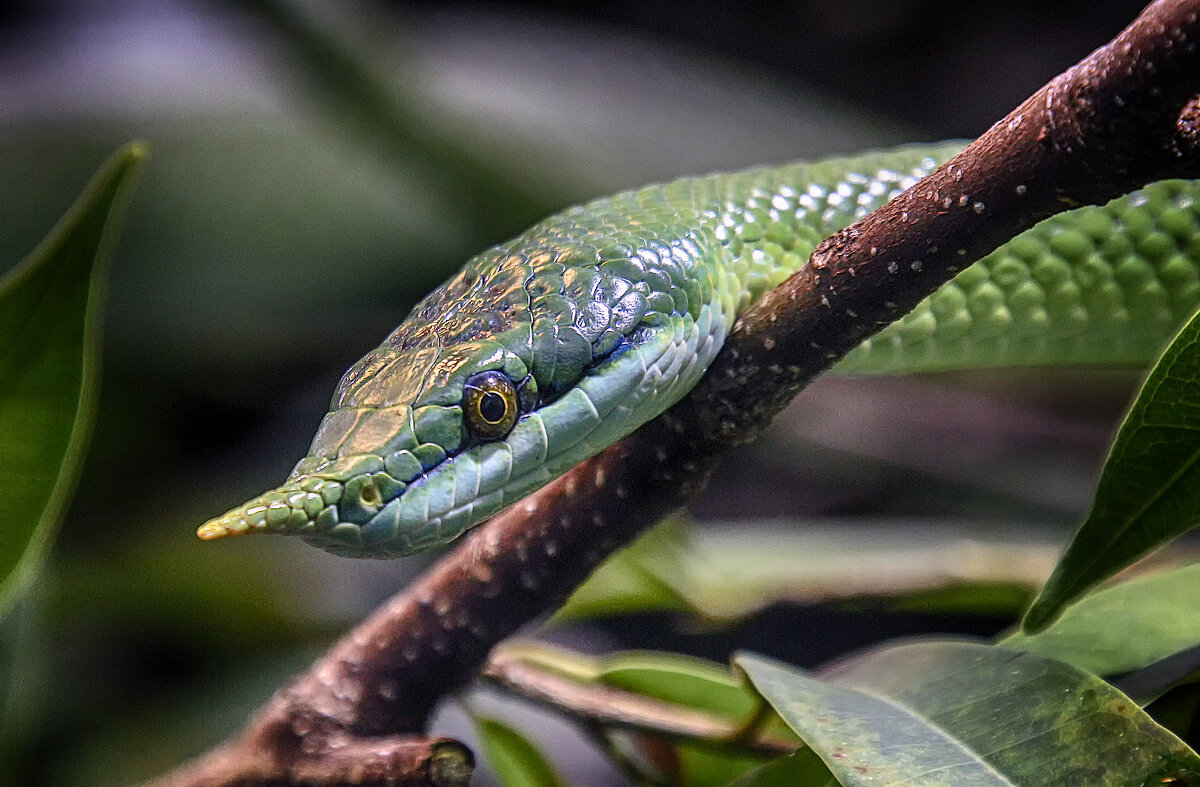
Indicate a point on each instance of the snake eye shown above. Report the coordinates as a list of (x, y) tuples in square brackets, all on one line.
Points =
[(489, 405)]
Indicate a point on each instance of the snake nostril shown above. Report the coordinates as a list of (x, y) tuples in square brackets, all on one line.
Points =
[(361, 499)]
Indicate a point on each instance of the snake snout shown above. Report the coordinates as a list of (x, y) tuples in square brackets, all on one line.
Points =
[(296, 507)]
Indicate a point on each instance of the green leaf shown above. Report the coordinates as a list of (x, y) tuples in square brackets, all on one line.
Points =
[(673, 684), (802, 769), (639, 578), (516, 761), (680, 680), (1125, 627), (50, 307), (958, 713), (1149, 490), (695, 684), (706, 765), (726, 572)]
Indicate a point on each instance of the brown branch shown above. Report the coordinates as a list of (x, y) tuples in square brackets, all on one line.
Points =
[(399, 761), (1121, 118)]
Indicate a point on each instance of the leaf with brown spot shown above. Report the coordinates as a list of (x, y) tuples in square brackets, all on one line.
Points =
[(961, 713)]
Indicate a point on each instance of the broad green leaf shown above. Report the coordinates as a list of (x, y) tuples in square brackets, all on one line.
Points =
[(1124, 627), (965, 714), (50, 307), (1149, 490), (516, 761)]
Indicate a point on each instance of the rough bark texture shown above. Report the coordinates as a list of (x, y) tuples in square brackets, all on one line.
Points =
[(1121, 118)]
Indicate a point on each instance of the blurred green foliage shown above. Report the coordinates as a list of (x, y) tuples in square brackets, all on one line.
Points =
[(49, 331)]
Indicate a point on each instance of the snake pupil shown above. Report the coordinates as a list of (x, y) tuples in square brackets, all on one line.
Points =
[(492, 407)]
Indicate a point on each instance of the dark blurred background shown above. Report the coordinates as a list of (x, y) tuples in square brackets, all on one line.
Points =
[(317, 167)]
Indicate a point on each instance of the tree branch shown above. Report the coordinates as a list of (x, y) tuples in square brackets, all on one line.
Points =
[(398, 761), (1121, 118)]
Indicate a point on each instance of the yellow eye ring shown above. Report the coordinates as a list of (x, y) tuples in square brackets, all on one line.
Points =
[(489, 405)]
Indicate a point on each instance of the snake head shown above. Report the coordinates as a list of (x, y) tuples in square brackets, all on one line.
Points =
[(412, 437), (501, 380)]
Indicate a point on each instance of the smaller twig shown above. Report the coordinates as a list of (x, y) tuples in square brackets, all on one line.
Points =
[(613, 707)]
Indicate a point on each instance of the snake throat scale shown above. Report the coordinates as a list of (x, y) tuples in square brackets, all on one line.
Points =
[(546, 349)]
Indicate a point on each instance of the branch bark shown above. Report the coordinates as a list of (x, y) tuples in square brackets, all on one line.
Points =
[(1124, 116)]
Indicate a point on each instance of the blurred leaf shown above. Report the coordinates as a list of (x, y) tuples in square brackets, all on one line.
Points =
[(392, 119), (22, 678), (50, 307), (125, 742), (516, 761), (975, 598), (962, 713), (259, 599), (1149, 490), (802, 769), (728, 572), (639, 578), (1125, 627), (660, 758), (687, 720)]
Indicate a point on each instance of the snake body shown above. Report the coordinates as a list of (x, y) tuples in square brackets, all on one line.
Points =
[(544, 350)]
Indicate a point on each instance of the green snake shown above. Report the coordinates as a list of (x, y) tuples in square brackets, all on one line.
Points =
[(545, 349)]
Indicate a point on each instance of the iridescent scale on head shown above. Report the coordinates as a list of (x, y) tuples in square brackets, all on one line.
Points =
[(596, 320)]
